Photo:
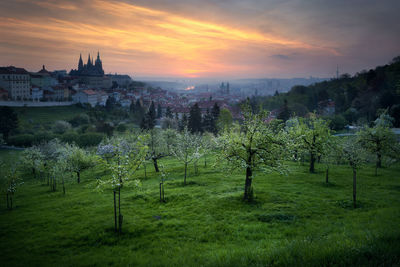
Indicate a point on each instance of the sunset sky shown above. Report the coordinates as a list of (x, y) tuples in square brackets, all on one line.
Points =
[(202, 38)]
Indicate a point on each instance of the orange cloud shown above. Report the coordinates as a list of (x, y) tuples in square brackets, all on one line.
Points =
[(135, 39)]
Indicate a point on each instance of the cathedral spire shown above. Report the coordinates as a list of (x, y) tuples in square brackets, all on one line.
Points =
[(80, 63), (98, 55), (89, 61)]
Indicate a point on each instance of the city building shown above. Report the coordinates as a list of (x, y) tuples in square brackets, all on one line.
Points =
[(16, 81)]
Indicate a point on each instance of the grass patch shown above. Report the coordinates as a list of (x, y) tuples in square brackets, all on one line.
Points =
[(295, 220)]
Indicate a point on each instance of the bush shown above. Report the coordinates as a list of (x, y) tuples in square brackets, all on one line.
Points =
[(338, 122), (89, 139), (70, 137), (79, 120), (61, 127), (121, 127), (21, 140), (41, 137)]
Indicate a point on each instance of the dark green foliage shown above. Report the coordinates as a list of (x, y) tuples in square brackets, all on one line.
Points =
[(21, 140), (8, 121), (121, 127), (361, 95), (284, 115), (149, 120), (337, 122), (195, 119), (215, 116), (105, 127), (80, 119), (183, 123), (168, 113), (159, 111), (89, 139)]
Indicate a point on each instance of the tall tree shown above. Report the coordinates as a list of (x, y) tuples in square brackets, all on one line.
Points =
[(215, 115), (8, 121), (253, 145), (195, 119), (149, 120), (168, 113), (285, 113), (159, 111)]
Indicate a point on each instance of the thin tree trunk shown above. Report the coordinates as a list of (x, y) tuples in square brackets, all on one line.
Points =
[(115, 213), (63, 184), (8, 204), (119, 210), (354, 187), (247, 184), (11, 200), (155, 165), (312, 162), (379, 160), (205, 161), (184, 181), (145, 170), (327, 175), (160, 192), (79, 176)]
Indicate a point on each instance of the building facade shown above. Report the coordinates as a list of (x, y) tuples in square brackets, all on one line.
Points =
[(16, 81)]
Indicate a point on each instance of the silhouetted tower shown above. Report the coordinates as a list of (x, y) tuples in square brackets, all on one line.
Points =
[(98, 64), (227, 88), (80, 64), (89, 62)]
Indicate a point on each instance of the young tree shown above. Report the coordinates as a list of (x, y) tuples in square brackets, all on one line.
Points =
[(12, 182), (354, 154), (32, 158), (169, 136), (208, 143), (128, 156), (314, 134), (157, 147), (187, 148), (378, 140), (78, 160), (253, 145)]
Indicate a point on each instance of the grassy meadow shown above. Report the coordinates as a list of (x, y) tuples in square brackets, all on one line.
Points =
[(295, 219)]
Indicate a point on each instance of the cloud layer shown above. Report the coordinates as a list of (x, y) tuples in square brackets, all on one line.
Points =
[(195, 38)]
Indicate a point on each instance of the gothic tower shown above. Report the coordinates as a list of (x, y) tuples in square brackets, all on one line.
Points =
[(80, 64)]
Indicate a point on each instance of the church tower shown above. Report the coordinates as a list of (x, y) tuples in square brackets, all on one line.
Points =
[(99, 65), (89, 62), (80, 64)]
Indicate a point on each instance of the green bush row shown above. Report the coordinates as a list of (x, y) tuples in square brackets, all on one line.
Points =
[(82, 140)]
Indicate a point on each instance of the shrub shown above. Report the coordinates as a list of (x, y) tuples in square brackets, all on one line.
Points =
[(21, 140), (79, 120), (41, 137), (70, 137), (89, 139), (61, 127), (121, 127)]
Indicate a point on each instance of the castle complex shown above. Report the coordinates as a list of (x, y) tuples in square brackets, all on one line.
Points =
[(89, 69)]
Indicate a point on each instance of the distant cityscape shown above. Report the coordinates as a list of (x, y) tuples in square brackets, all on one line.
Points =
[(88, 84)]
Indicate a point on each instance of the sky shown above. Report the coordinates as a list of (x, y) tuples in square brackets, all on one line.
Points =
[(202, 38)]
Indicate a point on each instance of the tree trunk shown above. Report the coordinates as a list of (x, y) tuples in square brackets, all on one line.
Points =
[(155, 165), (8, 204), (312, 162), (115, 213), (184, 180), (11, 199), (354, 187), (160, 192), (205, 161), (63, 184), (79, 176), (119, 211), (145, 170), (327, 175), (379, 160), (247, 184), (34, 172)]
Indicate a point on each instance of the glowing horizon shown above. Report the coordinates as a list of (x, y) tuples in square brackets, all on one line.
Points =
[(155, 41)]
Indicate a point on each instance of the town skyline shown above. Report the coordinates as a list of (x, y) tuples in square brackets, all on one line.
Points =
[(223, 39)]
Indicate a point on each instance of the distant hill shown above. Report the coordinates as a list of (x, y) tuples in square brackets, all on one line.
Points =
[(356, 99)]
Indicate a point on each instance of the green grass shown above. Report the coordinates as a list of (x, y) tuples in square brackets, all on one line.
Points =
[(45, 116), (294, 220)]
